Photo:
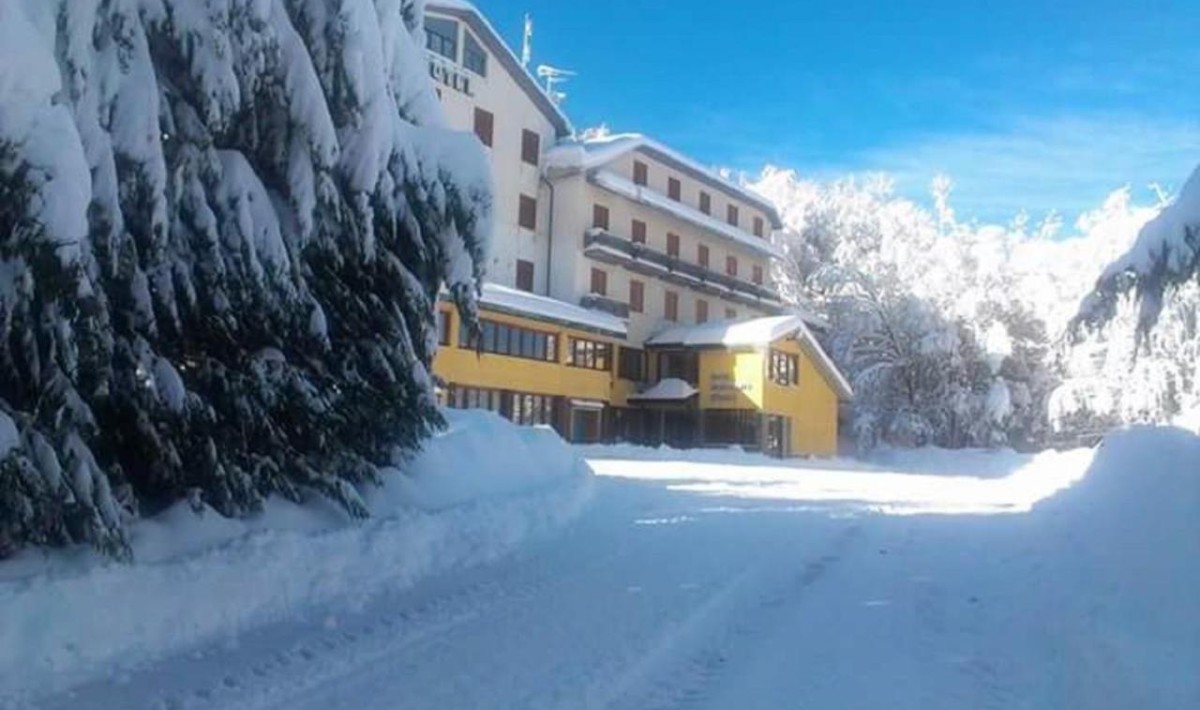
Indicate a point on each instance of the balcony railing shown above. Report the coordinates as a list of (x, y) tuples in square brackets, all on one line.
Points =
[(603, 303), (607, 247)]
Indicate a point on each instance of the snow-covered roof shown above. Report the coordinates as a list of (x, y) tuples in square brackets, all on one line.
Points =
[(626, 188), (532, 305), (671, 389), (756, 332), (582, 155), (483, 29)]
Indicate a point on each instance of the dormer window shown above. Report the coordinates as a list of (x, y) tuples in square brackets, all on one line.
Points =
[(474, 58), (441, 37)]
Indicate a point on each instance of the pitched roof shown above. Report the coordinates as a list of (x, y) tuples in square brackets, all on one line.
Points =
[(467, 12), (582, 155), (757, 332)]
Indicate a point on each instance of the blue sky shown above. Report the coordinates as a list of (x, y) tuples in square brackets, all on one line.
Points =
[(1027, 104)]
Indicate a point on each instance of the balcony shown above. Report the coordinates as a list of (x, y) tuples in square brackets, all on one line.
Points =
[(605, 304), (606, 247)]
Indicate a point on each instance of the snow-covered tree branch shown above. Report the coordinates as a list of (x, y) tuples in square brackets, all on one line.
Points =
[(223, 228)]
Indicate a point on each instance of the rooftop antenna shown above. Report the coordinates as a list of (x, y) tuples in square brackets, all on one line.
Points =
[(527, 44), (553, 77)]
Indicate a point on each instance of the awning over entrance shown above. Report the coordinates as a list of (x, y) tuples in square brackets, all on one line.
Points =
[(672, 389)]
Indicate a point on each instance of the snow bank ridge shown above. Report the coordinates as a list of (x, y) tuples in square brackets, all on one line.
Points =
[(477, 492)]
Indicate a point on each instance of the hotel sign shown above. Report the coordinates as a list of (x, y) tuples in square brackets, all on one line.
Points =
[(450, 75), (723, 388)]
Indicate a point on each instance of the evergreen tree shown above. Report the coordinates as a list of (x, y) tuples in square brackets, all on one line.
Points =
[(273, 204)]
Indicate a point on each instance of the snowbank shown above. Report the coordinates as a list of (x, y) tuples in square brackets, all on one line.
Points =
[(1129, 534), (477, 491)]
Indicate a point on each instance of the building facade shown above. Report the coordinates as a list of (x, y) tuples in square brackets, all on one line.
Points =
[(628, 290)]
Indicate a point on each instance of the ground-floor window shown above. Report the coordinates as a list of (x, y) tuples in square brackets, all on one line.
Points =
[(587, 424), (518, 407)]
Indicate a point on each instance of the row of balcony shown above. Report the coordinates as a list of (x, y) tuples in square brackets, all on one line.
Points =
[(609, 248)]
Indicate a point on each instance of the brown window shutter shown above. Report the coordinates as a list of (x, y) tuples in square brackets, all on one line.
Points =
[(731, 265), (638, 231), (599, 282), (673, 245), (758, 226), (731, 215), (641, 173), (702, 255), (758, 275), (671, 306), (637, 296), (527, 213), (600, 217), (674, 189), (701, 311), (525, 275), (485, 124), (706, 203), (531, 147)]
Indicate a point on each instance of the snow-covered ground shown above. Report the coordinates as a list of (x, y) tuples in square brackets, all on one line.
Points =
[(718, 579)]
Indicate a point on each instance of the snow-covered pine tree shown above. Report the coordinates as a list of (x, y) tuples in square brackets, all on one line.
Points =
[(273, 203), (1165, 256)]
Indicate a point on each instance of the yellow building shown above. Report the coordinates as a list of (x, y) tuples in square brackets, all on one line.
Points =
[(629, 292)]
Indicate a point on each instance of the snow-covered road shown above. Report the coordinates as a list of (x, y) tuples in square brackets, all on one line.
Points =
[(691, 585)]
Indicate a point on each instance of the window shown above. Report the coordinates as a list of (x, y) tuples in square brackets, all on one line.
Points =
[(673, 245), (631, 364), (441, 36), (519, 407), (525, 275), (599, 282), (511, 340), (757, 275), (638, 231), (641, 173), (600, 217), (443, 326), (701, 311), (732, 427), (589, 354), (485, 124), (783, 368), (637, 296), (731, 266), (671, 306), (531, 409), (730, 314), (674, 189), (702, 255), (758, 226), (527, 215), (474, 58), (705, 203), (682, 364), (531, 147), (731, 215)]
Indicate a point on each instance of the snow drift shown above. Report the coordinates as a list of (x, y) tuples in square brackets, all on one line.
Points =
[(476, 492)]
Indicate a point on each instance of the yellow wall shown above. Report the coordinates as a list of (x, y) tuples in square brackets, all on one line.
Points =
[(463, 366), (731, 379), (812, 405)]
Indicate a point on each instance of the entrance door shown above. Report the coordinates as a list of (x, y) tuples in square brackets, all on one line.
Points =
[(777, 435)]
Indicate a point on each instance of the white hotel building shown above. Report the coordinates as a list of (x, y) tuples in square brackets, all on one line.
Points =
[(647, 274)]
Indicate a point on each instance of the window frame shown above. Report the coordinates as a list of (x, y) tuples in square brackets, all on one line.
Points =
[(470, 47), (525, 268), (705, 203), (483, 117), (599, 277), (671, 306), (531, 147), (527, 207), (701, 311), (637, 296), (439, 47), (702, 255), (733, 215), (641, 173), (673, 245), (674, 189), (637, 231), (601, 214)]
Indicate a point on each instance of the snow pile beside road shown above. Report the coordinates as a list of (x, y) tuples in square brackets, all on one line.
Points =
[(1129, 533), (478, 491)]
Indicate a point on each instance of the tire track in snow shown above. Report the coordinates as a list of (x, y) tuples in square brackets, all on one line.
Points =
[(745, 609)]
